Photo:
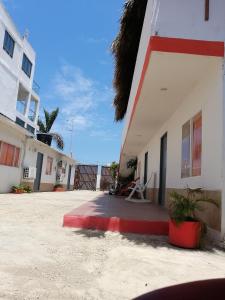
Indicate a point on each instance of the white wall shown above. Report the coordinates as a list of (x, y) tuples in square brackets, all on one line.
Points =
[(207, 97), (186, 19), (11, 72), (33, 147), (10, 176), (16, 136)]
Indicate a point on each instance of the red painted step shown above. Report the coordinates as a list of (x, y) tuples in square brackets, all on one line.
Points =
[(115, 214)]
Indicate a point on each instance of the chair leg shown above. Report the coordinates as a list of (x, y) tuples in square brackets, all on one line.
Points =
[(142, 195), (131, 194)]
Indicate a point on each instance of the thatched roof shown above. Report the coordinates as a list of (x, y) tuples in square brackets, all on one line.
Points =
[(124, 49)]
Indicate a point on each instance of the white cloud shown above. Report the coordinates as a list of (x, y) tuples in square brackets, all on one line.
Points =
[(105, 135), (79, 98)]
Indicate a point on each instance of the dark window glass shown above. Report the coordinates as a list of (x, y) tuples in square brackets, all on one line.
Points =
[(9, 44), (26, 65), (20, 122), (30, 128)]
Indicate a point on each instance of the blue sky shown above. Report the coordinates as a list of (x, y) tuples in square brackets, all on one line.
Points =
[(74, 69)]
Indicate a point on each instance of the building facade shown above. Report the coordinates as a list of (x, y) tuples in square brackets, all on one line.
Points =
[(19, 92), (23, 159), (175, 119)]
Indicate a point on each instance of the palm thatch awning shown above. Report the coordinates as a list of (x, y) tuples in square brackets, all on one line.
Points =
[(125, 49)]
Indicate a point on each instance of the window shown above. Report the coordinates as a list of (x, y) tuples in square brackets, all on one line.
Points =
[(9, 44), (32, 110), (186, 144), (49, 166), (192, 147), (21, 105), (30, 128), (9, 155), (20, 122), (197, 145), (22, 99), (26, 65)]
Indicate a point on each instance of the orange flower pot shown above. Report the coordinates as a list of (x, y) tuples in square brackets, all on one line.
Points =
[(18, 191), (59, 189), (185, 234)]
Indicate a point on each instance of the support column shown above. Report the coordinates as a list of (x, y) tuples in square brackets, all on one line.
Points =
[(223, 161)]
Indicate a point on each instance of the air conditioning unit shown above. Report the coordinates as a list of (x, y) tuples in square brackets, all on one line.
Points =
[(29, 173)]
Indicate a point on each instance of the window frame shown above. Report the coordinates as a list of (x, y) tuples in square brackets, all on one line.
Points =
[(31, 111), (27, 65), (191, 171), (49, 165), (8, 161), (9, 39)]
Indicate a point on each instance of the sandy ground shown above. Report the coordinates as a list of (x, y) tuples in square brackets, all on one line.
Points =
[(39, 259)]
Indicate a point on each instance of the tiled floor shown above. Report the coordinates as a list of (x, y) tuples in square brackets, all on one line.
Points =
[(115, 214)]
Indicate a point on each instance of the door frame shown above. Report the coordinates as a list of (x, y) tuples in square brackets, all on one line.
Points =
[(163, 169), (38, 167), (146, 168), (69, 177)]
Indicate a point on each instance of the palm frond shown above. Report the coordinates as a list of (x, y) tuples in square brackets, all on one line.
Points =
[(50, 118), (58, 139), (41, 125), (46, 113), (183, 208)]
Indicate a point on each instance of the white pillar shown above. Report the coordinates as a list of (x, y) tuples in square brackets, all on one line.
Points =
[(223, 164)]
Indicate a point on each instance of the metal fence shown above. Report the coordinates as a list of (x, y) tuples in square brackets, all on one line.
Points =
[(86, 177), (106, 180)]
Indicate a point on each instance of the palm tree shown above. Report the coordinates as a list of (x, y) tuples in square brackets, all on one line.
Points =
[(45, 129), (125, 49)]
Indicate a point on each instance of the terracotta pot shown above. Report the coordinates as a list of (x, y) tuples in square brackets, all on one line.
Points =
[(59, 189), (185, 234), (18, 192)]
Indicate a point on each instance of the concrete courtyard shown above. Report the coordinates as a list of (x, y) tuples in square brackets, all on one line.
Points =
[(39, 259)]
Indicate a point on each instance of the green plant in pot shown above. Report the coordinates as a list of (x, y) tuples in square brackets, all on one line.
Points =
[(17, 189), (185, 229), (114, 167), (45, 134)]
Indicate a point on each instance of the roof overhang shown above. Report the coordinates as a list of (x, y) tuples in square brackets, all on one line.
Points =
[(172, 67)]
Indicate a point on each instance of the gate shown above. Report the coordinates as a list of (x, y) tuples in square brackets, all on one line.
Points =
[(106, 179), (86, 177)]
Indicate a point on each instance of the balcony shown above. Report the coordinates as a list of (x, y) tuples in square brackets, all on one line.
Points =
[(36, 87)]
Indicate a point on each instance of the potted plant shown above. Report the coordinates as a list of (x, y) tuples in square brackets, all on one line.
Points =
[(17, 189), (27, 189), (185, 229), (45, 134), (58, 188), (114, 167)]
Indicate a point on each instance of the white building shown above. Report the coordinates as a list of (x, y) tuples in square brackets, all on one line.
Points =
[(19, 108), (175, 119)]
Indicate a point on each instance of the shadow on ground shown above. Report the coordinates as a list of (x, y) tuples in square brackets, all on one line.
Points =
[(146, 240)]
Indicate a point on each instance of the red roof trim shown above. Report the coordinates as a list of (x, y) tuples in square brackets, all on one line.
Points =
[(197, 47)]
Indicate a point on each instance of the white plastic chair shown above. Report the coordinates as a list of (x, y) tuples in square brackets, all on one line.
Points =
[(139, 188)]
